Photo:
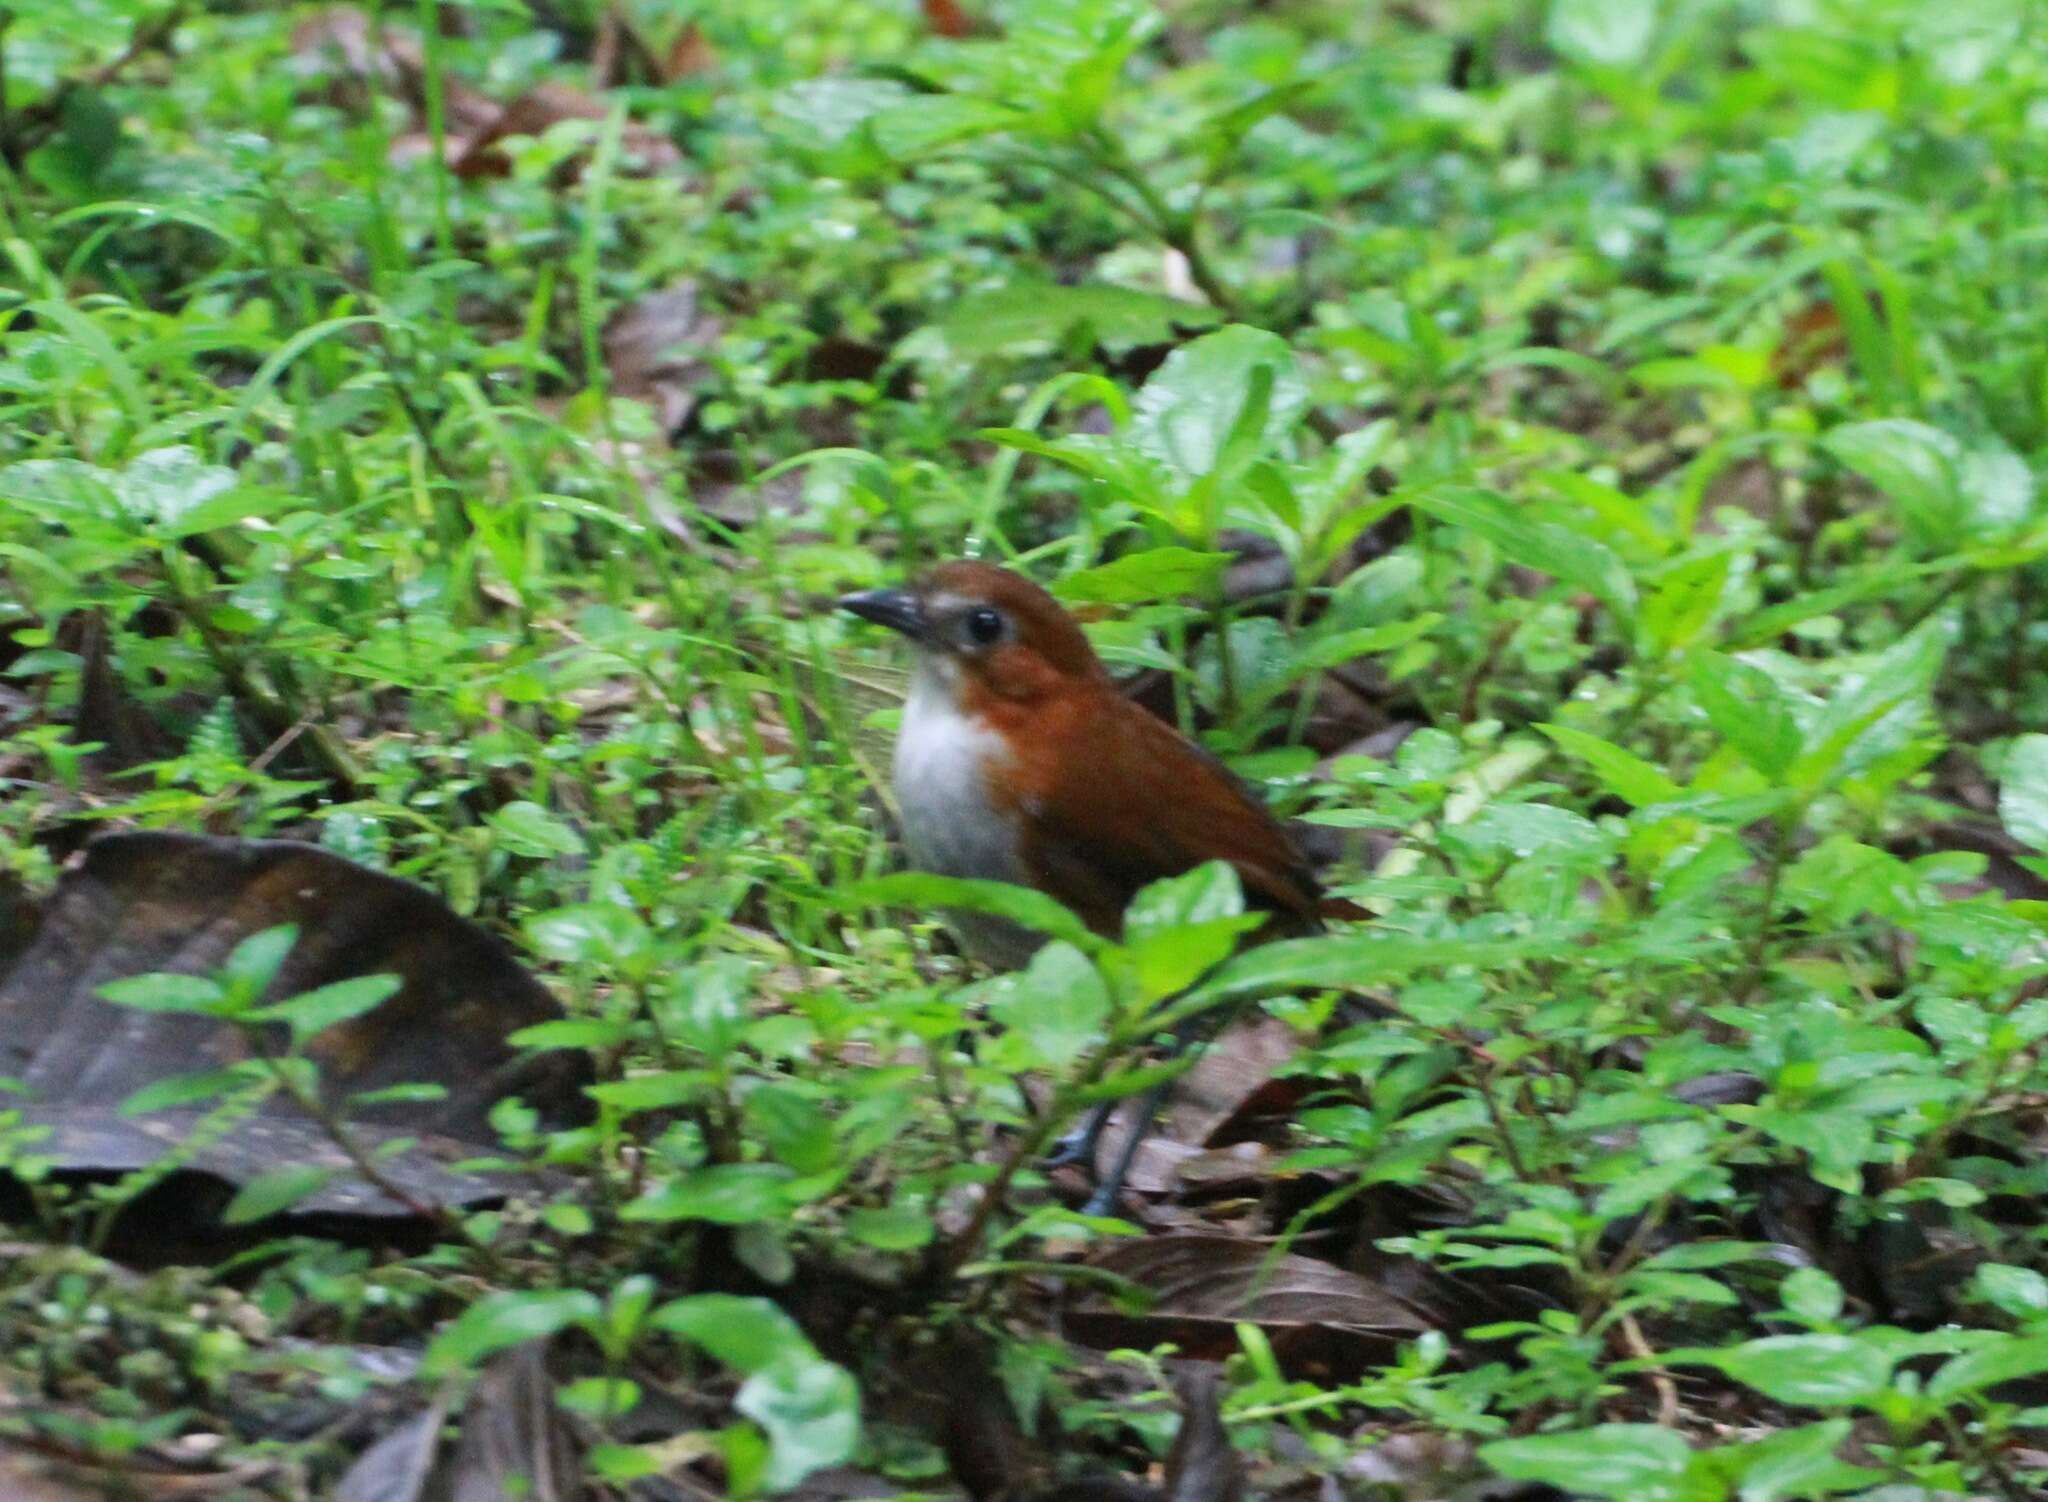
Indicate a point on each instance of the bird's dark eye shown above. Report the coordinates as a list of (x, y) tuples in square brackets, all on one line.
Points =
[(984, 626)]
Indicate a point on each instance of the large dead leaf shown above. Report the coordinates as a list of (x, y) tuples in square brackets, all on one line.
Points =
[(138, 903), (653, 351), (343, 41), (515, 1443), (1202, 1287), (1229, 1086)]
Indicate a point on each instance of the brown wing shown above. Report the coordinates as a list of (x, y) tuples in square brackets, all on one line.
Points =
[(1132, 801)]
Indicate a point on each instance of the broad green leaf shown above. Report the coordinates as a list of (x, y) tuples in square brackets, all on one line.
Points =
[(1211, 890), (501, 1320), (1791, 1465), (1522, 830), (705, 1006), (1748, 710), (1813, 1371), (926, 893), (2023, 791), (1622, 772), (527, 829), (2019, 1291), (1550, 547), (1142, 578), (573, 1032), (726, 1194), (274, 1191), (892, 1228), (1628, 1462), (1054, 1011), (1875, 706), (1913, 465), (908, 131), (1812, 1294), (1361, 959), (747, 1334), (1608, 33), (164, 992), (792, 1126), (1187, 412), (315, 1011), (190, 1089), (1170, 960), (254, 962), (1034, 315), (2003, 1359), (827, 111), (1684, 601), (589, 933), (1964, 39), (810, 1411)]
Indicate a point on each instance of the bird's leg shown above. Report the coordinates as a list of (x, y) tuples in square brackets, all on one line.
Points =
[(1111, 1187), (1078, 1145)]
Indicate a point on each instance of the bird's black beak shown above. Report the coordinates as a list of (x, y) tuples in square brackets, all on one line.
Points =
[(898, 609)]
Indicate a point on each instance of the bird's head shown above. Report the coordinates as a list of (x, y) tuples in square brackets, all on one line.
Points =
[(984, 632)]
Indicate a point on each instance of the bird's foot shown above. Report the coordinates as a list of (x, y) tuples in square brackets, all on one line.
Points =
[(1104, 1201), (1074, 1148)]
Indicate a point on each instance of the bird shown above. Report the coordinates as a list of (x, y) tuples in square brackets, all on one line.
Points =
[(1019, 760)]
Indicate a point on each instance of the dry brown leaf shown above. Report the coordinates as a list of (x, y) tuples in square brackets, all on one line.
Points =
[(148, 902), (654, 351), (1316, 1315)]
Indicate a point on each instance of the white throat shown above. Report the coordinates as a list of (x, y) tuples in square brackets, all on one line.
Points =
[(950, 823)]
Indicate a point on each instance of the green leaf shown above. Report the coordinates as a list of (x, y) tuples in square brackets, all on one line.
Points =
[(317, 1010), (810, 1411), (1813, 1371), (528, 829), (573, 1032), (792, 1126), (164, 992), (274, 1191), (1186, 414), (589, 933), (726, 1194), (1748, 710), (1791, 1465), (1052, 1012), (1635, 781), (501, 1320), (2023, 791), (253, 964), (1875, 707), (1811, 1294), (2018, 1291), (1212, 890), (925, 892), (1629, 1462), (893, 1228), (190, 1089), (908, 131), (747, 1334), (705, 1007), (1351, 959), (1041, 315), (1606, 33), (2001, 1360), (1144, 578), (1550, 547), (1913, 465)]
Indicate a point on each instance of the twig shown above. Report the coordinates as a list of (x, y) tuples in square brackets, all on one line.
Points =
[(1667, 1390)]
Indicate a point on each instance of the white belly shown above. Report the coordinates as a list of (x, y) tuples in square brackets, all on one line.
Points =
[(951, 826)]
